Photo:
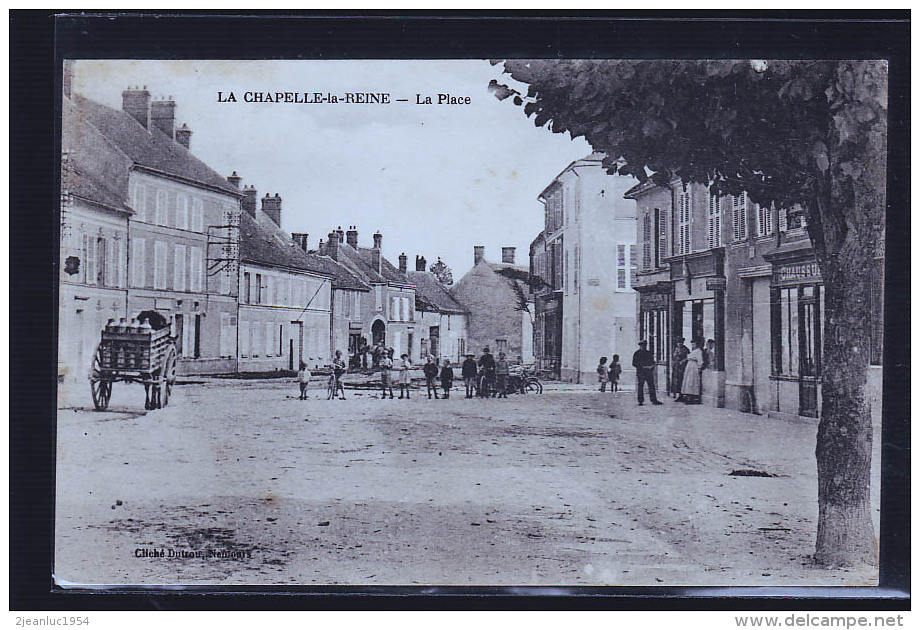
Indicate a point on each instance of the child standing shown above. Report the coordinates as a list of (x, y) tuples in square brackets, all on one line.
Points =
[(385, 362), (502, 370), (615, 370), (303, 378), (602, 373), (430, 370), (447, 378), (404, 366)]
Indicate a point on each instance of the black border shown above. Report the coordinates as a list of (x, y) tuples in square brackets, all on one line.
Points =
[(38, 41)]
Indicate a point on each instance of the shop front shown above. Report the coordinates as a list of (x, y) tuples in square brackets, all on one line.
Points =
[(796, 331), (698, 314), (654, 328)]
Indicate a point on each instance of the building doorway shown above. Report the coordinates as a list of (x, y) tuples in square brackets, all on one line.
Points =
[(296, 338), (379, 332), (434, 341)]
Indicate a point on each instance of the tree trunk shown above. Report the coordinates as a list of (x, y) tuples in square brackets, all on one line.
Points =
[(844, 441), (849, 235)]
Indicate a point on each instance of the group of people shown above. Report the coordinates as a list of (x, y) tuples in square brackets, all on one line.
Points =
[(686, 371), (609, 374), (432, 375), (687, 366), (487, 377)]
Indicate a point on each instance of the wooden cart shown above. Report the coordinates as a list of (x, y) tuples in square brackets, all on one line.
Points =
[(134, 353)]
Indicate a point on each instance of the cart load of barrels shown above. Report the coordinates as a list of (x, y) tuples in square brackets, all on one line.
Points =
[(135, 351)]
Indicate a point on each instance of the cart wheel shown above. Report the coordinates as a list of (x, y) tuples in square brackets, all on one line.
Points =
[(533, 386), (101, 387), (168, 378)]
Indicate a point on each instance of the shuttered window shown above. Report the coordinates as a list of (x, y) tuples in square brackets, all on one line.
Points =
[(661, 233), (138, 263), (764, 220), (626, 266), (182, 212), (197, 215), (739, 217), (179, 276), (196, 268), (714, 231), (646, 241), (683, 233), (159, 265)]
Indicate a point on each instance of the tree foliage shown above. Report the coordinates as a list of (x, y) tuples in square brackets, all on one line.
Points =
[(767, 127), (442, 272)]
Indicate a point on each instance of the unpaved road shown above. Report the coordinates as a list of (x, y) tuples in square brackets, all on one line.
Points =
[(567, 488)]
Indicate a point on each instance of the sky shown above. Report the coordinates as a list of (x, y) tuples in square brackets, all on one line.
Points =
[(435, 180)]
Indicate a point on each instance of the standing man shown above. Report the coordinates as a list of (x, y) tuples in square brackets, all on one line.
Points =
[(339, 368), (644, 362), (487, 367), (469, 372)]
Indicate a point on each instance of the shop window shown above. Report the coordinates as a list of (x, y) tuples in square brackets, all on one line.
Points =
[(796, 330), (654, 330)]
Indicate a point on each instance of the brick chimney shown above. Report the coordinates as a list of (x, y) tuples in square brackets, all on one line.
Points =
[(479, 252), (136, 103), (249, 200), (300, 239), (376, 254), (163, 116), (332, 245), (351, 237), (321, 248), (508, 255), (403, 262), (271, 206), (420, 263), (184, 136), (235, 180)]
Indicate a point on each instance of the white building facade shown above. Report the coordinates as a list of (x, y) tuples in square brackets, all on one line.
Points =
[(596, 227)]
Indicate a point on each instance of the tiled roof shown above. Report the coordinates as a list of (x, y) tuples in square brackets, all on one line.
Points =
[(265, 244), (361, 262), (149, 147), (432, 295), (95, 169)]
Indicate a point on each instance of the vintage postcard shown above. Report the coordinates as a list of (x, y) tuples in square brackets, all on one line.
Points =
[(470, 323)]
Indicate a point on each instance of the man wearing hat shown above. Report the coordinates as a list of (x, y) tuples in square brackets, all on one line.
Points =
[(644, 362)]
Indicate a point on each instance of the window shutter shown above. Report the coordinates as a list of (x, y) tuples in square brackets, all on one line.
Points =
[(122, 258), (179, 283), (662, 235), (647, 241), (138, 263)]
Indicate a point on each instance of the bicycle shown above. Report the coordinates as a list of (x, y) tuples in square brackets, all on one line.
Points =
[(334, 385)]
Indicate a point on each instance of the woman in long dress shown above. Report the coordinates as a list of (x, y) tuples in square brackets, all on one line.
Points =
[(691, 388)]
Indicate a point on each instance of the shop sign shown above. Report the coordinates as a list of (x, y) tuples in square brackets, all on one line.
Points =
[(715, 284), (797, 271)]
